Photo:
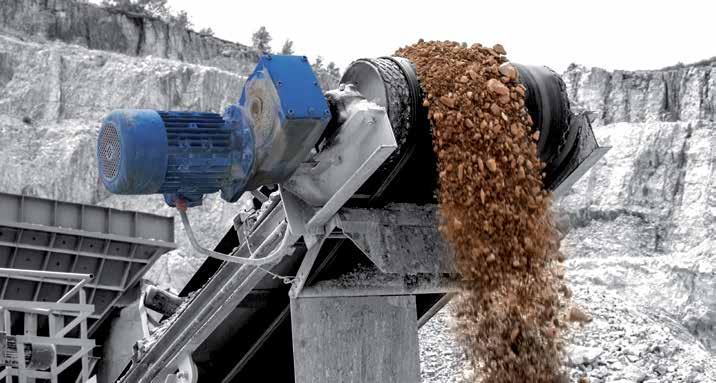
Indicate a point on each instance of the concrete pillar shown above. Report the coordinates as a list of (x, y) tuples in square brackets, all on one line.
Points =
[(355, 339)]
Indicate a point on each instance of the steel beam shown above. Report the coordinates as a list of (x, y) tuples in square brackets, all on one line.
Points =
[(88, 234), (51, 249), (44, 274), (374, 283), (12, 304)]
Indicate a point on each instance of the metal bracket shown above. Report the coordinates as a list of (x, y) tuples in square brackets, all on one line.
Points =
[(298, 212), (400, 238), (355, 152), (580, 170), (586, 154), (308, 260)]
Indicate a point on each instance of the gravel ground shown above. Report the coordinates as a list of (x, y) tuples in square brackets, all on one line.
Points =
[(441, 359), (626, 343)]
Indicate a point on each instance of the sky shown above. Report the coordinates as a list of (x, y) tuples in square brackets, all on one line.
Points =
[(612, 34)]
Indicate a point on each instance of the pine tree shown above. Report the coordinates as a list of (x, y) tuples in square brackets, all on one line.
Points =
[(333, 69), (181, 20), (318, 64), (262, 40), (156, 8), (287, 48)]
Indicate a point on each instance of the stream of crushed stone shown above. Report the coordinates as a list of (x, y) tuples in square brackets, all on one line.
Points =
[(494, 212)]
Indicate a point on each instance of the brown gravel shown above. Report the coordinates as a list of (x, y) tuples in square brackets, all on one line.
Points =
[(494, 211)]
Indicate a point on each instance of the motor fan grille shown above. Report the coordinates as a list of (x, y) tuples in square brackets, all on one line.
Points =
[(109, 151)]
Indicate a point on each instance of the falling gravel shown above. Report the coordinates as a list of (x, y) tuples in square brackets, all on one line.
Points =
[(494, 212)]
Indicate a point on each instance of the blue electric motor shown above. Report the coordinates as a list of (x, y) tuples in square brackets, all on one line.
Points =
[(261, 140)]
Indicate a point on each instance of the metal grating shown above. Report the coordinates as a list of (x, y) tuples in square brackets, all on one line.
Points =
[(116, 246), (109, 151)]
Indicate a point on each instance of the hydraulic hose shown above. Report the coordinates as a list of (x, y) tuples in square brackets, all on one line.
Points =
[(280, 251)]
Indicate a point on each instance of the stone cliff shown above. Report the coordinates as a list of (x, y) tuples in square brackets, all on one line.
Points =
[(643, 222), (680, 93), (111, 30)]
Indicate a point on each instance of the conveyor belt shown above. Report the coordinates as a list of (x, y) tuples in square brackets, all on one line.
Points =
[(253, 341)]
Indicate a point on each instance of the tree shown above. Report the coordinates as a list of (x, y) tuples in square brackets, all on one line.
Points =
[(262, 40), (328, 75), (318, 64), (181, 20), (206, 32), (287, 48), (120, 4), (333, 69), (156, 8)]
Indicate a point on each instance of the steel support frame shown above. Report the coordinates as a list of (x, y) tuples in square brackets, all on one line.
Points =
[(117, 246), (233, 282), (77, 349), (328, 180), (365, 303)]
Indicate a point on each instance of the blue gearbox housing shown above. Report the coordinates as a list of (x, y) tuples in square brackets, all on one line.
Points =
[(261, 140)]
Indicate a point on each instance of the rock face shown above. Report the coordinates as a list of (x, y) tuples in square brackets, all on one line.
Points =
[(643, 222), (105, 29), (683, 93)]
